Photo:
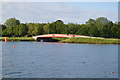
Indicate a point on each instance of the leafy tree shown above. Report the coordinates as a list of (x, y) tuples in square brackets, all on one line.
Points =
[(2, 27), (85, 30), (103, 24), (53, 29), (30, 27), (46, 28), (116, 30), (22, 29), (65, 29), (38, 29), (12, 22), (10, 31), (79, 29), (59, 26), (93, 29), (100, 27), (4, 33), (16, 31), (72, 28)]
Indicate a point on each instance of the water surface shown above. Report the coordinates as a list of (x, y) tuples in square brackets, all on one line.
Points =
[(58, 60)]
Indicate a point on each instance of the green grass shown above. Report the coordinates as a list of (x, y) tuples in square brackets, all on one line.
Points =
[(91, 41), (17, 39), (60, 38), (70, 40)]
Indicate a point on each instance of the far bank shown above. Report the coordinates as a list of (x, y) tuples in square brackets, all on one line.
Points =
[(76, 40)]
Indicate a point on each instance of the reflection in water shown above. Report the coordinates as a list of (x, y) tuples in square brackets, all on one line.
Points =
[(58, 60)]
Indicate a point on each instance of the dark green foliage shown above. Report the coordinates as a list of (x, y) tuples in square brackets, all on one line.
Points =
[(100, 27), (52, 28), (93, 29), (46, 28), (2, 28), (59, 26), (30, 27), (38, 29), (22, 29), (12, 22), (72, 28)]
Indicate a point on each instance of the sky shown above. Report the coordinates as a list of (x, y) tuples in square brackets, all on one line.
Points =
[(68, 12)]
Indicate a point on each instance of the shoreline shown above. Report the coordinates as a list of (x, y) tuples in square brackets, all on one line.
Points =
[(68, 40), (91, 43)]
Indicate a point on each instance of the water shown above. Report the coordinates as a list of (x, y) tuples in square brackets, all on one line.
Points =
[(57, 60), (0, 60)]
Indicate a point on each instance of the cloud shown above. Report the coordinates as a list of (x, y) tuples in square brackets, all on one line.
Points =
[(49, 12)]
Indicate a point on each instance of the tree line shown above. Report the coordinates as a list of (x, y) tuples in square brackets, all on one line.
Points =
[(99, 27)]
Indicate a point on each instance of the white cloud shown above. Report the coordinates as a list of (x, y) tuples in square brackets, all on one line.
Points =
[(49, 12)]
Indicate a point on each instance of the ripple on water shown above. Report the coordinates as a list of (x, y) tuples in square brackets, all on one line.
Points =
[(12, 73), (30, 60)]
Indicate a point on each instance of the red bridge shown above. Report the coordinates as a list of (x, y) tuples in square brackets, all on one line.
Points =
[(56, 36), (49, 37)]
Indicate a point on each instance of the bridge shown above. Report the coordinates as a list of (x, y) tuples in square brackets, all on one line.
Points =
[(49, 37)]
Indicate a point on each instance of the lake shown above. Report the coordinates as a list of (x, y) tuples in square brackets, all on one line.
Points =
[(58, 60)]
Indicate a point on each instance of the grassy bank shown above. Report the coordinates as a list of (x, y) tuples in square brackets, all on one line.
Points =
[(70, 40), (60, 39), (91, 41), (17, 39)]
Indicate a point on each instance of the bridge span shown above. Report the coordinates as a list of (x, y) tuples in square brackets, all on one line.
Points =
[(48, 37)]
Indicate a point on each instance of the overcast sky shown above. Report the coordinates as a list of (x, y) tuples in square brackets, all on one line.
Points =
[(69, 12)]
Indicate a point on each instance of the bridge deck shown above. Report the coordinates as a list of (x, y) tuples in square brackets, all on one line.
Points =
[(56, 36)]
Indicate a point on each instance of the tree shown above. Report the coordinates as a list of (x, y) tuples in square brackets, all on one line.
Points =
[(104, 26), (12, 22), (59, 26), (100, 27), (79, 29), (30, 27), (72, 28), (38, 29), (46, 28), (16, 31), (84, 30), (4, 33), (116, 30), (93, 29), (65, 29), (22, 29), (53, 28), (2, 28), (10, 31)]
